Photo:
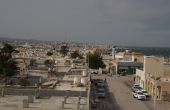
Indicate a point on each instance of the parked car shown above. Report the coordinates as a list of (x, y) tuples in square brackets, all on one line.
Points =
[(122, 73), (101, 93), (100, 83), (136, 85), (97, 80), (101, 88), (145, 93), (93, 104), (135, 88), (93, 71), (139, 95)]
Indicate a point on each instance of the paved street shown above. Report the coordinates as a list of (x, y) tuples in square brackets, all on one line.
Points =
[(119, 95), (103, 102)]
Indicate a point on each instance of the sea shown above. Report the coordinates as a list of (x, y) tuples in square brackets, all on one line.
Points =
[(148, 51)]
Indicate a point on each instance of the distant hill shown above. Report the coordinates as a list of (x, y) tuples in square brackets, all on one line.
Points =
[(33, 40), (24, 40)]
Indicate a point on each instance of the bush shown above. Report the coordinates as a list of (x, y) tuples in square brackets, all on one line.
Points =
[(24, 82), (76, 54), (49, 53)]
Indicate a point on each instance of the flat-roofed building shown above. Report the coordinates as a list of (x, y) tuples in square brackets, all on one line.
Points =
[(137, 57), (101, 51)]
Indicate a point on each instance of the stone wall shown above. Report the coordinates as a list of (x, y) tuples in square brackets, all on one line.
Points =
[(42, 92)]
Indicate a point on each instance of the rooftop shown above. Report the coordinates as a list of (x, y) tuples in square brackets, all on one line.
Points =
[(14, 102), (68, 86)]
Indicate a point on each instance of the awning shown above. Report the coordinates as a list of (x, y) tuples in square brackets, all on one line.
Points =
[(133, 67), (123, 67)]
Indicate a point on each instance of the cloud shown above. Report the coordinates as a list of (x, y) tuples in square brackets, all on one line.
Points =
[(121, 22)]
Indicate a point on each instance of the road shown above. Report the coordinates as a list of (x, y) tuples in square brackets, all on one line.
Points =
[(118, 94)]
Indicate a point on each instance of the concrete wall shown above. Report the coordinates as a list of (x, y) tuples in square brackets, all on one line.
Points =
[(154, 65), (167, 72), (140, 80), (42, 92), (88, 98), (127, 57), (139, 58), (164, 87)]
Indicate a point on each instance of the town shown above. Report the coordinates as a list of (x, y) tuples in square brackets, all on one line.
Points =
[(84, 77), (84, 55)]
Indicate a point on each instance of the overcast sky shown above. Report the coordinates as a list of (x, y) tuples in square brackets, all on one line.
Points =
[(119, 22)]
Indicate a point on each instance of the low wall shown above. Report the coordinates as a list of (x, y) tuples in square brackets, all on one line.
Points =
[(88, 98), (42, 92)]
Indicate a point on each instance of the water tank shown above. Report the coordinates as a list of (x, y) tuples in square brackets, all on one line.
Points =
[(77, 80), (73, 65), (84, 81), (84, 73)]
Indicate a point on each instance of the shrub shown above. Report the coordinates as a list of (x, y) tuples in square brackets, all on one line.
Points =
[(24, 82)]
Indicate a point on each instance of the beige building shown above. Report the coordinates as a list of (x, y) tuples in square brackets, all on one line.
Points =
[(154, 77), (101, 51), (137, 57)]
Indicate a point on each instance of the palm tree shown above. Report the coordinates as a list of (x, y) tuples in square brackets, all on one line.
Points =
[(7, 65), (64, 50), (7, 50)]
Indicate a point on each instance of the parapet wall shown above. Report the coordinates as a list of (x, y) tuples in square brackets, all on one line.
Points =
[(42, 92)]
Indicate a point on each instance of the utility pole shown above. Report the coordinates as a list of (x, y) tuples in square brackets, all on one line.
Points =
[(66, 36)]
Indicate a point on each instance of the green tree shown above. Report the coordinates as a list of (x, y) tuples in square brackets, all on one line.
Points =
[(64, 50), (24, 82), (49, 62), (7, 65), (75, 54), (49, 53), (95, 61)]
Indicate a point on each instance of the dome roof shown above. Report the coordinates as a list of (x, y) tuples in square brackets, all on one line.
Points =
[(113, 46)]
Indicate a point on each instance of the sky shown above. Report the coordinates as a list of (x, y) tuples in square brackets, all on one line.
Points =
[(118, 22)]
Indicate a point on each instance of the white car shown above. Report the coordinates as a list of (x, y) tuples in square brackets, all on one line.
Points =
[(139, 95), (93, 71), (136, 85), (145, 93)]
